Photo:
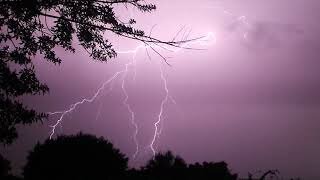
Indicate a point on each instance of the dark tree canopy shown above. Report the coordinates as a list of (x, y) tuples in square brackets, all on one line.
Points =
[(82, 157), (210, 170), (4, 167), (165, 161), (166, 166), (37, 27), (86, 157)]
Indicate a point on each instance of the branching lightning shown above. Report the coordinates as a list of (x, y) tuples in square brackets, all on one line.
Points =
[(125, 71), (206, 40), (75, 105), (157, 130), (99, 91), (125, 102)]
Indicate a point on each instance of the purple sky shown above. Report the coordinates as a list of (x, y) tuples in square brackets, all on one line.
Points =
[(252, 102)]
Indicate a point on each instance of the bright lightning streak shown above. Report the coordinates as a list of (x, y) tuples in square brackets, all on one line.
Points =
[(74, 106), (207, 40), (98, 92), (157, 131), (203, 41), (125, 102), (101, 105)]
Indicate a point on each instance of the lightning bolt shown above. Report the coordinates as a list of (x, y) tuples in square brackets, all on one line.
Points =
[(75, 105), (62, 114), (206, 40), (157, 131), (125, 102), (99, 91)]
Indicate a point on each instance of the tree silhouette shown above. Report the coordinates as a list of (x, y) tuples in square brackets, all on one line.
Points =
[(26, 31), (210, 170), (4, 167), (166, 160), (80, 157), (264, 175), (166, 166)]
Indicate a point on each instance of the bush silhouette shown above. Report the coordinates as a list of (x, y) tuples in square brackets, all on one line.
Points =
[(78, 157), (166, 166), (4, 167), (210, 170)]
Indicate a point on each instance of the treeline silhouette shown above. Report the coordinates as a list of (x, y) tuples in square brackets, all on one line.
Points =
[(86, 157)]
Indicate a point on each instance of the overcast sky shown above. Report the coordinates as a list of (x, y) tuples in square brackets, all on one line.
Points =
[(250, 98)]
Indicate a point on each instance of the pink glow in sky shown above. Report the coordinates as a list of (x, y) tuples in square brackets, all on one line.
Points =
[(251, 98)]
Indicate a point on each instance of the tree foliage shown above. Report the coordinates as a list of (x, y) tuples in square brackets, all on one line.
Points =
[(210, 170), (78, 156), (166, 166), (37, 27), (85, 157), (4, 167)]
